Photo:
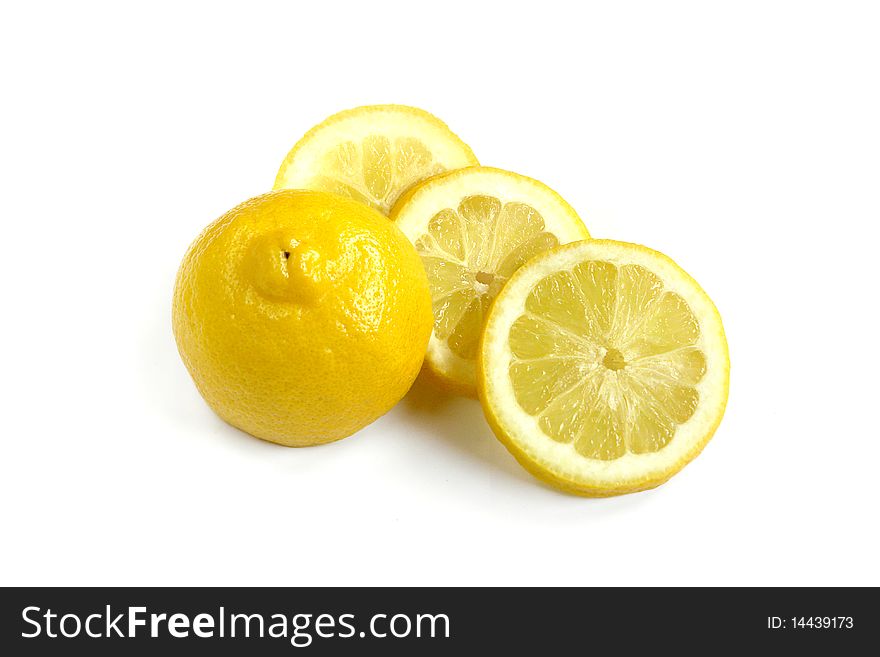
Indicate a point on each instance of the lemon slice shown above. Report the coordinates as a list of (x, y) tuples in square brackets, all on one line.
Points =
[(373, 153), (473, 228), (603, 367)]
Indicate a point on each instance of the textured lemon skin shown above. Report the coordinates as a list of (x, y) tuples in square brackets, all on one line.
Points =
[(579, 487), (302, 316)]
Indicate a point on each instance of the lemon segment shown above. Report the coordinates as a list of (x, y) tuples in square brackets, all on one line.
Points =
[(473, 228), (372, 154), (603, 367)]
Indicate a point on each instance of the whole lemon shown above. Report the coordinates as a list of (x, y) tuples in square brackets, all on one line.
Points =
[(302, 316)]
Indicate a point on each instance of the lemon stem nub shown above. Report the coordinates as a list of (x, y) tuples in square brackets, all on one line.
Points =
[(614, 360)]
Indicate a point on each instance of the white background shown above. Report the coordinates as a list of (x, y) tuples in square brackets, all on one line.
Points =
[(743, 139)]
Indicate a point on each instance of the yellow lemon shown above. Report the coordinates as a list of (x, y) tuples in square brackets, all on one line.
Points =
[(302, 316), (473, 229), (603, 367), (373, 154)]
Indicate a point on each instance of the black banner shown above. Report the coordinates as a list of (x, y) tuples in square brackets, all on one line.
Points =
[(332, 621)]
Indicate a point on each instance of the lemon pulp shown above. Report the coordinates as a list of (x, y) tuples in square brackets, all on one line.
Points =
[(469, 252), (473, 229), (375, 169), (373, 154), (606, 359)]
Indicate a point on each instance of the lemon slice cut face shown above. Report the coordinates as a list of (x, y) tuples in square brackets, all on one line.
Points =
[(603, 367), (372, 154), (473, 228)]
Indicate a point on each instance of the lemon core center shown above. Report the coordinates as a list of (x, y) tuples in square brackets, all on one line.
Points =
[(614, 360), (485, 277)]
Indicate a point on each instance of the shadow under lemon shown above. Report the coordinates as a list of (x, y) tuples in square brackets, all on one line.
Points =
[(459, 422)]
